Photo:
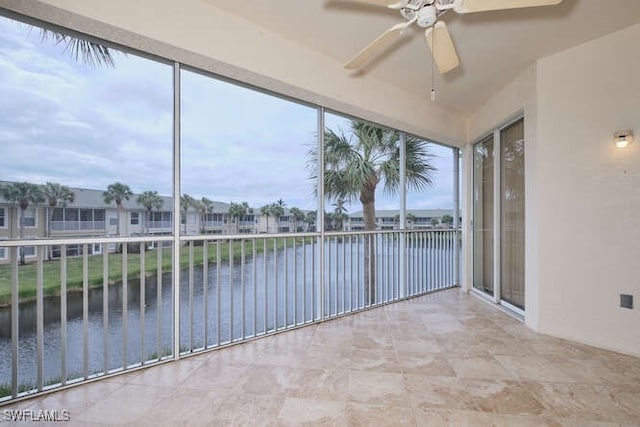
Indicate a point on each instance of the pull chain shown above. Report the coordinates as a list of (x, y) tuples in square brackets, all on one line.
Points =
[(433, 65)]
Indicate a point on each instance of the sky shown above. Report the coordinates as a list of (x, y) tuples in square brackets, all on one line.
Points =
[(67, 122)]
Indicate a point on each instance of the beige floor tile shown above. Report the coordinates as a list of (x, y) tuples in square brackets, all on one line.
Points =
[(167, 374), (214, 376), (416, 347), (375, 360), (535, 368), (438, 418), (364, 415), (128, 404), (249, 410), (75, 399), (338, 338), (481, 367), (372, 340), (318, 356), (505, 397), (589, 402), (300, 412), (377, 388), (426, 364)]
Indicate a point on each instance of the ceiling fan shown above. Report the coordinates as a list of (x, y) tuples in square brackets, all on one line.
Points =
[(425, 13)]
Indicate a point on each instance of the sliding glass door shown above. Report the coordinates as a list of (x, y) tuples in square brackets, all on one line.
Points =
[(498, 215), (512, 214), (483, 218)]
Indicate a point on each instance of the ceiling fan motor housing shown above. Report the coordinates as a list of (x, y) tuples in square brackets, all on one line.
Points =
[(427, 16)]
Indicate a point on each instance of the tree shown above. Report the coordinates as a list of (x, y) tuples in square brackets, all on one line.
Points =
[(186, 201), (204, 206), (266, 211), (56, 195), (277, 210), (298, 217), (411, 219), (329, 221), (356, 164), (237, 212), (310, 219), (22, 194), (434, 222), (447, 219), (117, 192), (150, 200), (81, 50), (340, 213)]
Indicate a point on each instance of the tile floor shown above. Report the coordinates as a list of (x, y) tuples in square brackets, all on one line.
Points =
[(443, 359)]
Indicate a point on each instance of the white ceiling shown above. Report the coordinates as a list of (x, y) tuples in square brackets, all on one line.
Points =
[(493, 46)]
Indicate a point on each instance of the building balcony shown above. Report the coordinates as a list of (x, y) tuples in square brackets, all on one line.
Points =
[(153, 225), (78, 226), (214, 224)]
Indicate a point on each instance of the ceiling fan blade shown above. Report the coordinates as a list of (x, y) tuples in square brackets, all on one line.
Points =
[(442, 48), (391, 4), (376, 47), (470, 6)]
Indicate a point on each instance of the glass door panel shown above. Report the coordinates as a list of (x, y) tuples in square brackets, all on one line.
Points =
[(483, 215), (512, 227)]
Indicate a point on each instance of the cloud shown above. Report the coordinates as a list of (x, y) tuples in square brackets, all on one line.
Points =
[(88, 127)]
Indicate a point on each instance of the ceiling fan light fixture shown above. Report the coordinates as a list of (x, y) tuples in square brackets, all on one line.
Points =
[(427, 16)]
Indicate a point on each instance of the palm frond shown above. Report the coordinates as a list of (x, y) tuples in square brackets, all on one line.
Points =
[(81, 50)]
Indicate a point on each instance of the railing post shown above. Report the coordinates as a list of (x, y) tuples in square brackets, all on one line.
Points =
[(403, 214), (320, 213), (15, 329), (456, 216), (175, 256), (40, 317)]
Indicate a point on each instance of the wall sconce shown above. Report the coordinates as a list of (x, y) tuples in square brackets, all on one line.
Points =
[(623, 138)]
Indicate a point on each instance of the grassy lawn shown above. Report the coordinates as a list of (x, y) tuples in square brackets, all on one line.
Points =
[(27, 273)]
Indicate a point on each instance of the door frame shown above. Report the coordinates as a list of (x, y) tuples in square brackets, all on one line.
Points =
[(496, 298)]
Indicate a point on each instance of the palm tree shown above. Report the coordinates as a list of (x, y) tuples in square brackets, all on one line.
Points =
[(355, 165), (434, 222), (238, 211), (411, 219), (329, 221), (85, 51), (23, 194), (204, 206), (298, 217), (277, 210), (447, 220), (198, 207), (266, 211), (186, 201), (56, 195), (150, 200), (310, 219), (117, 192), (339, 213)]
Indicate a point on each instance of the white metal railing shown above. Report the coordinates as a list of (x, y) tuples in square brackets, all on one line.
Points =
[(116, 311)]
